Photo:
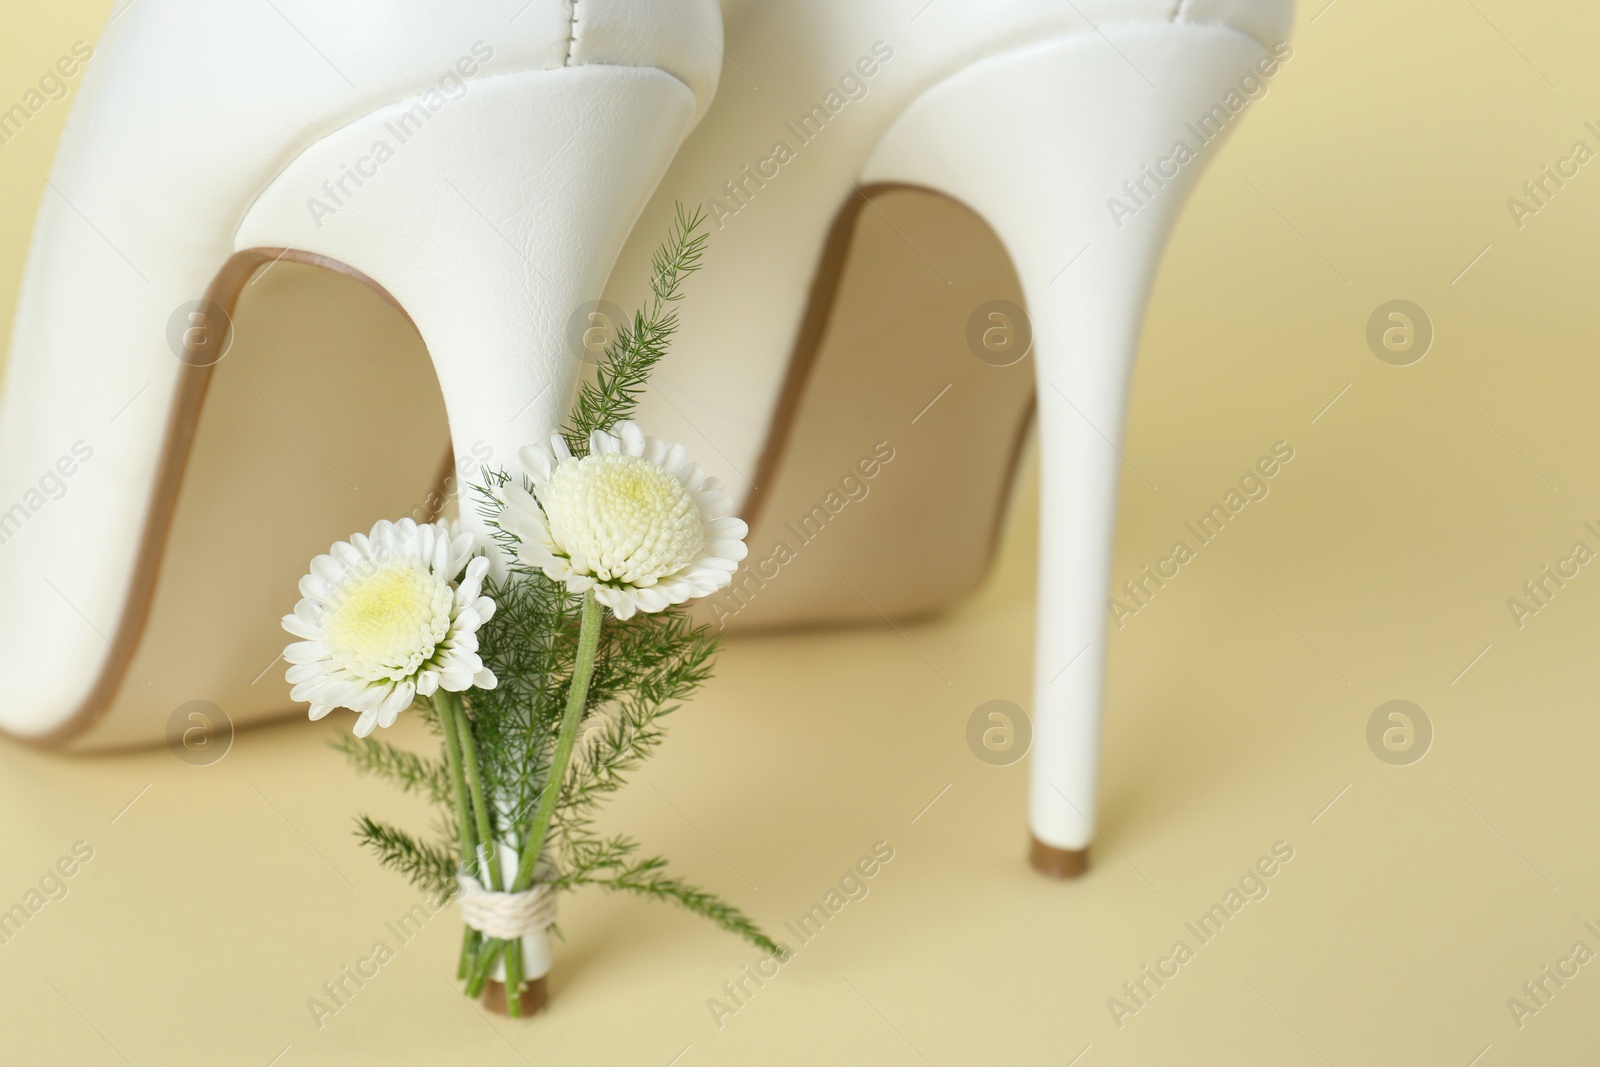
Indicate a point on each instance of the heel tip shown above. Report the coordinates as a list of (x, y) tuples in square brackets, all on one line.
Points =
[(534, 996), (1052, 862)]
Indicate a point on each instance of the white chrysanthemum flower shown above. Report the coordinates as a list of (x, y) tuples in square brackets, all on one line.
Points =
[(387, 617), (632, 520)]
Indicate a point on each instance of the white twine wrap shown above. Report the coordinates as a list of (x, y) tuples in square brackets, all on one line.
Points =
[(506, 916)]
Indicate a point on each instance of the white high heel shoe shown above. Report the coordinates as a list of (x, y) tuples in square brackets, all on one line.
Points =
[(480, 163), (1059, 126)]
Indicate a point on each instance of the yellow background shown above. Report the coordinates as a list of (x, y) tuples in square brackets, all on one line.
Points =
[(1378, 167)]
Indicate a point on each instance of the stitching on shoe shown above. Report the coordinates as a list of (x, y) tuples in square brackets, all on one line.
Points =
[(572, 32)]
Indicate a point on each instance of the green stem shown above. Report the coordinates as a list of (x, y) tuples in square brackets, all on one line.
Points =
[(513, 953), (488, 851), (488, 869), (482, 964), (577, 699), (469, 952), (452, 756)]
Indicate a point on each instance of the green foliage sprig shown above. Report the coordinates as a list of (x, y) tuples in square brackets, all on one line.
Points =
[(430, 867), (638, 346)]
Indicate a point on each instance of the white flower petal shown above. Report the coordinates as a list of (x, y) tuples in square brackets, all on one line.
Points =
[(305, 652), (651, 599), (630, 437), (300, 627), (620, 601)]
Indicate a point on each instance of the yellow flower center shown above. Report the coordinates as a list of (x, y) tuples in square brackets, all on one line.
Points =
[(387, 622), (628, 519)]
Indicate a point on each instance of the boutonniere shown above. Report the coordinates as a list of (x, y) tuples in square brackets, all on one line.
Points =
[(543, 656)]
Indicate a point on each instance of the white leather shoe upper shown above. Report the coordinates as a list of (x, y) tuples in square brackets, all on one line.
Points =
[(189, 111)]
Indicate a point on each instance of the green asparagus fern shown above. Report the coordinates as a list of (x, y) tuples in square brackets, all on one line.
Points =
[(638, 346)]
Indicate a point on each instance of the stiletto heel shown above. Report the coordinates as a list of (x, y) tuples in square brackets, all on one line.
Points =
[(482, 178), (1060, 133), (1027, 139)]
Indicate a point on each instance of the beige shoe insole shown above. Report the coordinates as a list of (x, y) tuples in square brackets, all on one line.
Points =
[(323, 417), (887, 368)]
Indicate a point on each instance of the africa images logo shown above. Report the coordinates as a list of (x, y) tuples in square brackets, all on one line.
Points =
[(1139, 191)]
